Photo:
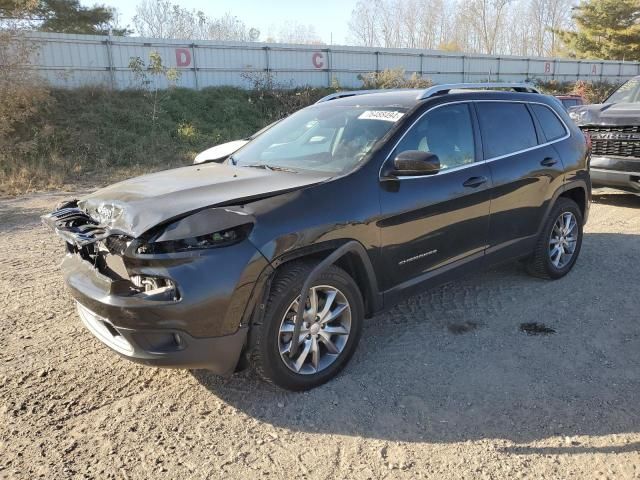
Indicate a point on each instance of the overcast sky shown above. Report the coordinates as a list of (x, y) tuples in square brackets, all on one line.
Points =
[(327, 16)]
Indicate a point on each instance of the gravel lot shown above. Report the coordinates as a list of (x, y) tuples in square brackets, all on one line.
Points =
[(445, 385)]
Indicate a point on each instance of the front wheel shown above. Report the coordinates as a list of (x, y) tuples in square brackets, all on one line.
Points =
[(559, 243), (331, 328)]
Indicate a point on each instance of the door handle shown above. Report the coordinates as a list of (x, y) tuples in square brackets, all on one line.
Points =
[(474, 182), (548, 162)]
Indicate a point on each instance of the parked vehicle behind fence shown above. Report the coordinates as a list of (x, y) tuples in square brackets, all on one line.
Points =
[(569, 101), (275, 257)]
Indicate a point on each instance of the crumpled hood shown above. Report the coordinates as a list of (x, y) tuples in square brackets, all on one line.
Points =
[(134, 206), (607, 114)]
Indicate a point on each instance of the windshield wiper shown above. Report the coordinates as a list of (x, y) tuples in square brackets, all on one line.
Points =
[(272, 168)]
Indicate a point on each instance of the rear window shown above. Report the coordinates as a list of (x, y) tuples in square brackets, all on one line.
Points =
[(506, 128), (552, 127)]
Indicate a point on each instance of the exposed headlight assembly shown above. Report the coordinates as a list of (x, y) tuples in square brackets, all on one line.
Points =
[(211, 240), (211, 228)]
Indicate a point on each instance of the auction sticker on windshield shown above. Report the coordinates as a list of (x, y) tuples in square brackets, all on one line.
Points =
[(386, 115)]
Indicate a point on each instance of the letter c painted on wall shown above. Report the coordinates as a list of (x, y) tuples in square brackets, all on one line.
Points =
[(318, 60), (183, 57)]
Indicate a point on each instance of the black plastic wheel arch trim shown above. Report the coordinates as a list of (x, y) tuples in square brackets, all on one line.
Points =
[(351, 246)]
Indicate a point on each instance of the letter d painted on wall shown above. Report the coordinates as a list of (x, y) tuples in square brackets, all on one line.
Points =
[(183, 57)]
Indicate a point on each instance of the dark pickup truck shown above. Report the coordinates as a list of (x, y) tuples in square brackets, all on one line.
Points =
[(614, 128)]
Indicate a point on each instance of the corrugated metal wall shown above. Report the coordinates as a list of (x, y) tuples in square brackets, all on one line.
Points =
[(80, 60)]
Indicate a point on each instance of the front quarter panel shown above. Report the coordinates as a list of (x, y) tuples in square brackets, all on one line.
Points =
[(319, 217)]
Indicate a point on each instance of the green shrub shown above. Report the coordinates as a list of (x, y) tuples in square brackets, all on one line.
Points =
[(592, 92), (393, 78)]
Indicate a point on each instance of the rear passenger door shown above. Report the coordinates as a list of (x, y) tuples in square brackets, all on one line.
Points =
[(525, 169)]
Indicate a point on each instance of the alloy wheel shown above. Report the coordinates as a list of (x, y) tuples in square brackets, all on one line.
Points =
[(563, 240), (324, 332)]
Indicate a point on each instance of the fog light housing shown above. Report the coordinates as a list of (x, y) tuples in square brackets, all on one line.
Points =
[(156, 288), (159, 342)]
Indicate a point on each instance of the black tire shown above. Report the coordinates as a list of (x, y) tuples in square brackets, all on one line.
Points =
[(264, 353), (540, 264)]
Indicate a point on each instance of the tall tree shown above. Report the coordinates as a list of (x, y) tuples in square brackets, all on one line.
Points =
[(363, 26), (163, 19), (399, 24), (605, 29), (294, 32), (64, 16), (486, 18), (513, 27)]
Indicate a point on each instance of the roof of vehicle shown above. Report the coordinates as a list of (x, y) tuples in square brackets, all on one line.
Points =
[(380, 98), (568, 96), (407, 98)]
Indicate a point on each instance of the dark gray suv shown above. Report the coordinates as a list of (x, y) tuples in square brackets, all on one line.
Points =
[(275, 256)]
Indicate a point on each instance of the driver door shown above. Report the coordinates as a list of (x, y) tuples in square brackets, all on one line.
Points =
[(437, 222)]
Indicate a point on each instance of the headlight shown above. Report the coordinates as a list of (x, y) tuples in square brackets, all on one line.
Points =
[(222, 238), (581, 117), (208, 228)]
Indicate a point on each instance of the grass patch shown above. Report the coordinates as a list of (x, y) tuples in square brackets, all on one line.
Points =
[(95, 136)]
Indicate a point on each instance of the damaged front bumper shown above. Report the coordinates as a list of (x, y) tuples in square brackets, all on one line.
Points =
[(616, 172), (183, 310), (138, 329), (167, 348)]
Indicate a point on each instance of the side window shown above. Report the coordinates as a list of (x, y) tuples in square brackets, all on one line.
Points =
[(445, 131), (551, 125), (506, 128)]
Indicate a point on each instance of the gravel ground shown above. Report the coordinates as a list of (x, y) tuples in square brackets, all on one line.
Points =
[(444, 386)]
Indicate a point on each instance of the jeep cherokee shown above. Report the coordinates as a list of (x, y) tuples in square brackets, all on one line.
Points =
[(275, 257)]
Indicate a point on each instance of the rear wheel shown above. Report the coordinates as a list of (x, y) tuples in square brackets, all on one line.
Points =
[(332, 324), (559, 243)]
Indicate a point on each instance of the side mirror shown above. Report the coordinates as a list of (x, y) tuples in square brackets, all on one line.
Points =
[(416, 162)]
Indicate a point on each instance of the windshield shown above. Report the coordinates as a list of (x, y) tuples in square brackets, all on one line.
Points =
[(322, 138), (627, 93)]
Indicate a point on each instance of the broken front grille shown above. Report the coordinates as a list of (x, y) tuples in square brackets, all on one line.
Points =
[(614, 141), (75, 226)]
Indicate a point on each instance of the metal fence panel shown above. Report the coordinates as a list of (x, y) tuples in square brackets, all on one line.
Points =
[(78, 60), (351, 61)]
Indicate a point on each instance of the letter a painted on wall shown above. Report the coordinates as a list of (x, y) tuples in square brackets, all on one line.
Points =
[(183, 57)]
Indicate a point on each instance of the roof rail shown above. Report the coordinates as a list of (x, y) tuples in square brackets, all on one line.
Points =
[(445, 88), (353, 93)]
